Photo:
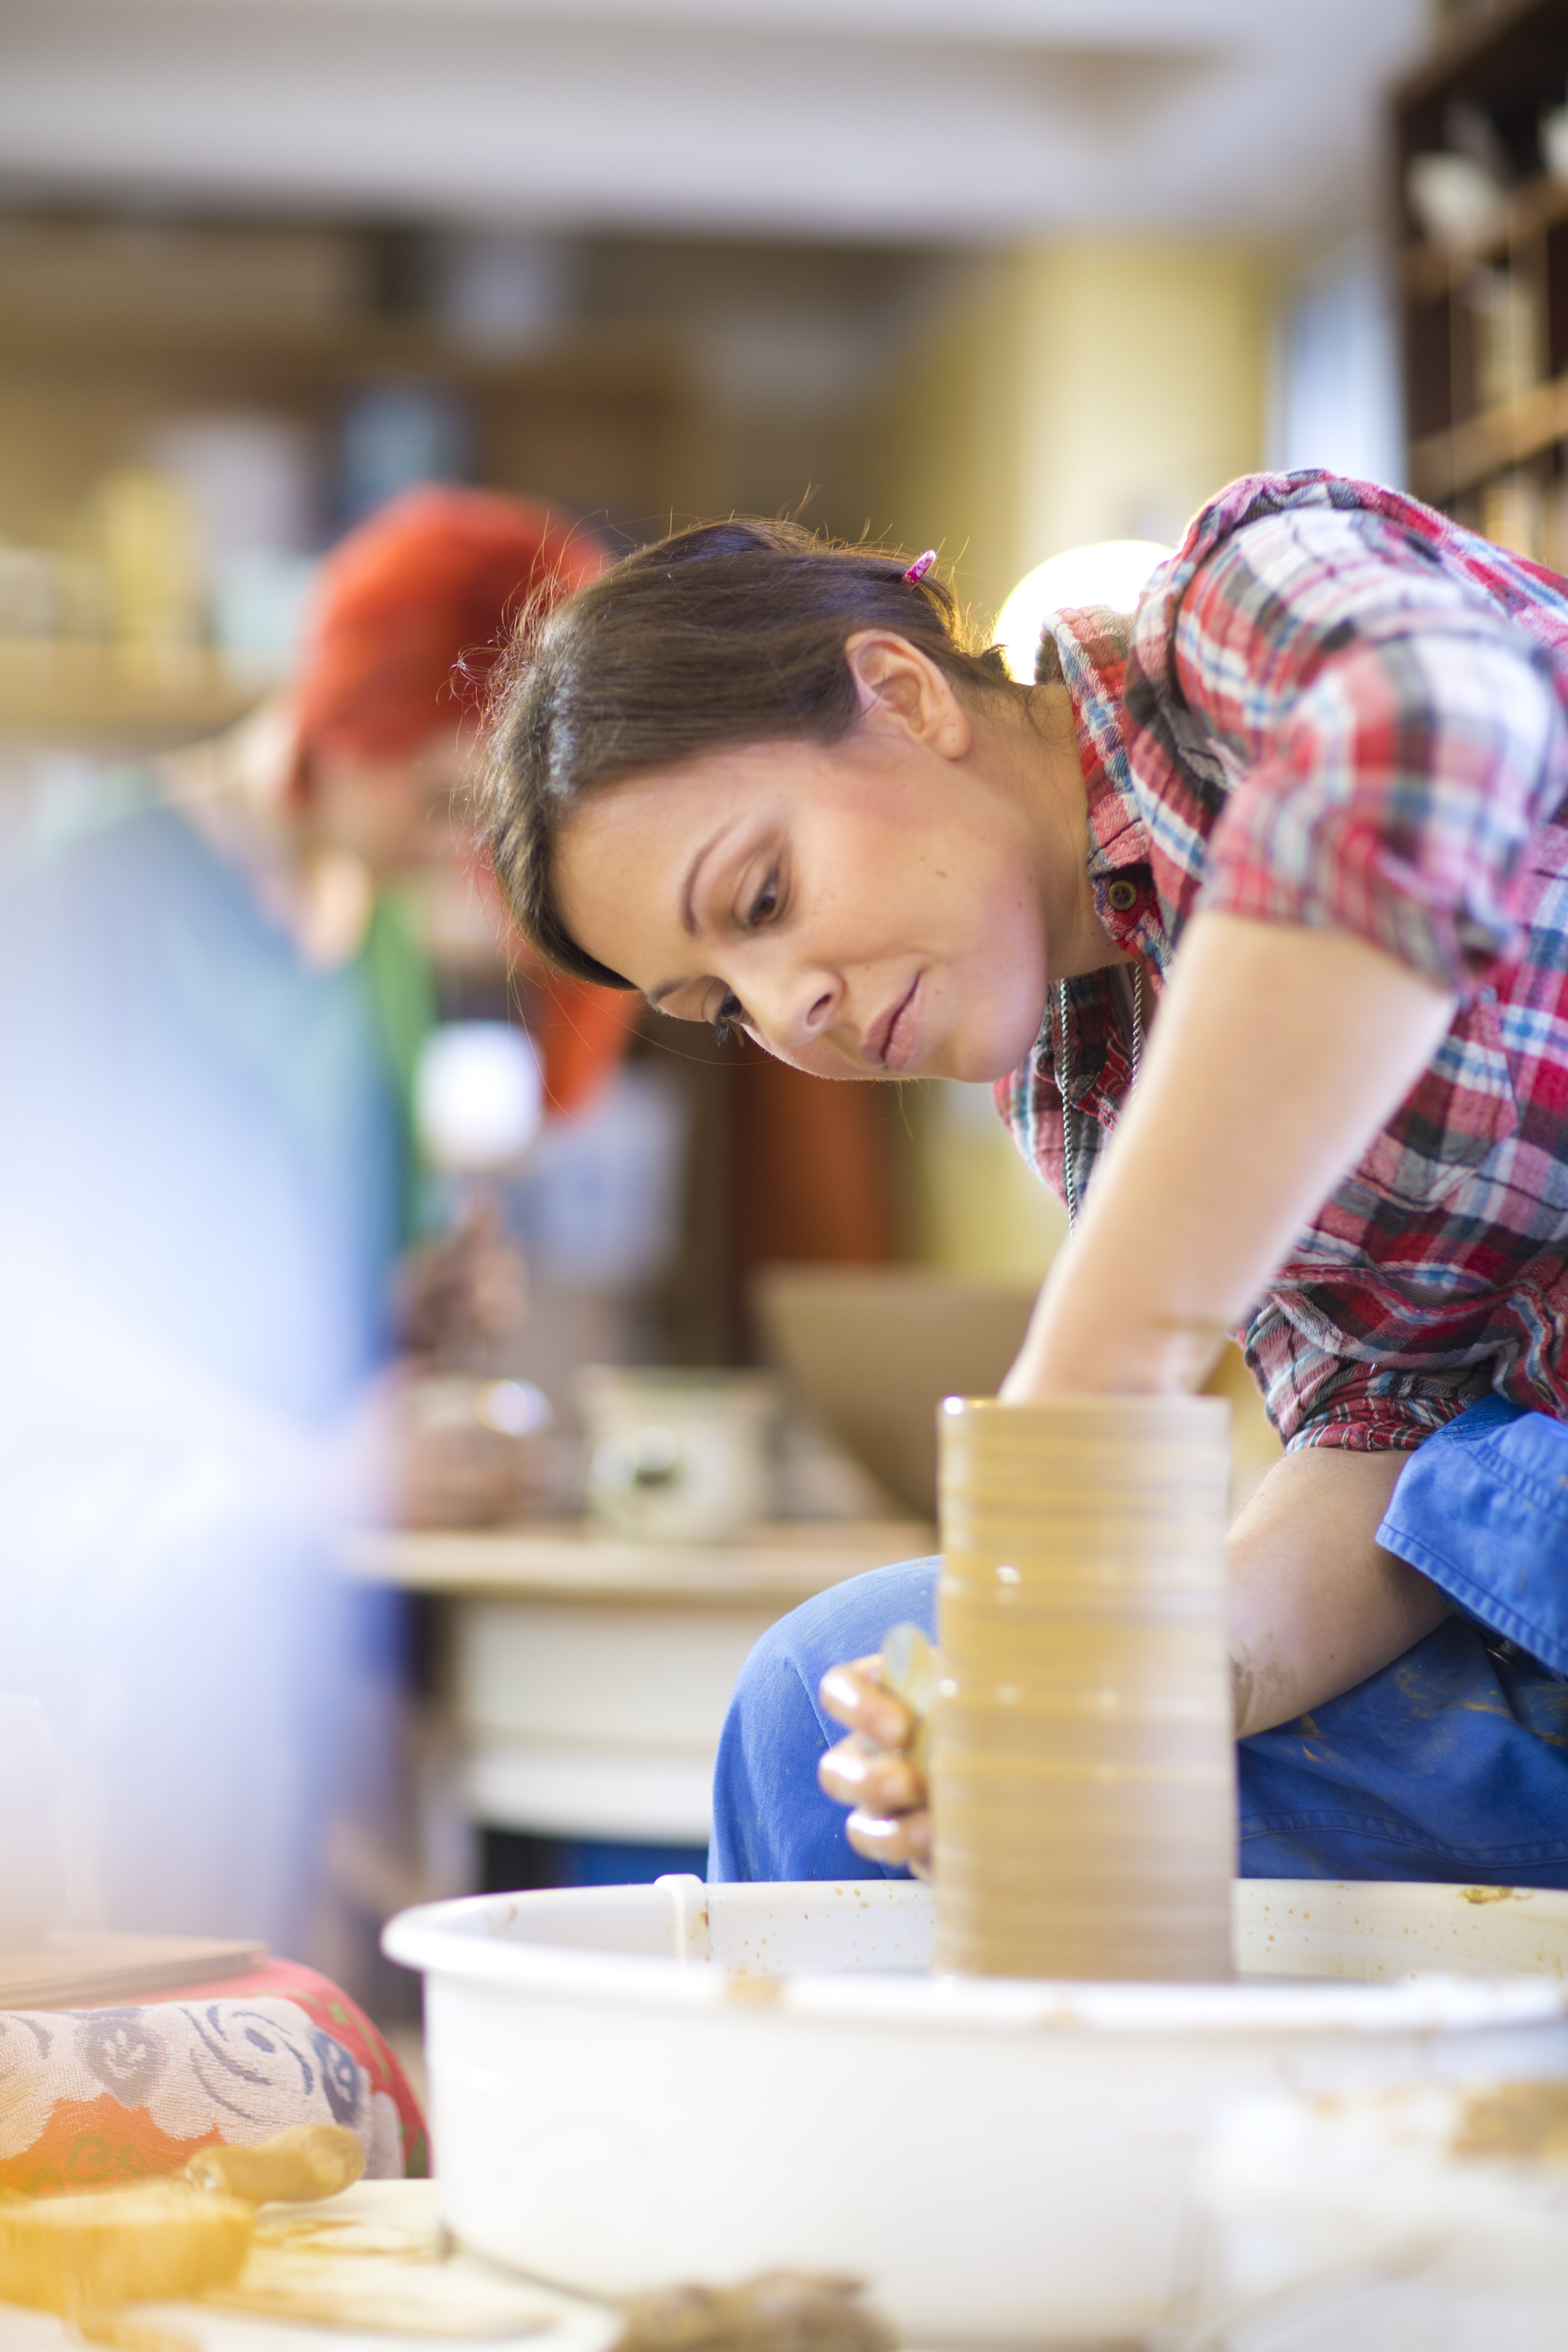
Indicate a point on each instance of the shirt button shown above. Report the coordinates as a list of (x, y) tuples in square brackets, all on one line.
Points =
[(1123, 897)]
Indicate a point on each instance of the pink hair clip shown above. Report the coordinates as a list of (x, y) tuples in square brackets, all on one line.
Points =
[(920, 566)]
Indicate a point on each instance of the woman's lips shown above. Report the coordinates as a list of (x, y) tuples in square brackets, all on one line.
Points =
[(893, 1041)]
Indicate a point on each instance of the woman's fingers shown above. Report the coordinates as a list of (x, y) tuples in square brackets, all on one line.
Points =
[(875, 1779), (853, 1696), (872, 1771), (894, 1838)]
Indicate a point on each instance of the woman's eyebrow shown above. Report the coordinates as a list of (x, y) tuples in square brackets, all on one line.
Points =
[(688, 894), (655, 996)]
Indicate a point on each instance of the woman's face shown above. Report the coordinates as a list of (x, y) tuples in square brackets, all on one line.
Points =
[(398, 813), (869, 909)]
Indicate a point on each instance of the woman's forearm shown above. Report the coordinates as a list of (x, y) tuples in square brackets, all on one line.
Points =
[(1316, 1604), (1278, 1054)]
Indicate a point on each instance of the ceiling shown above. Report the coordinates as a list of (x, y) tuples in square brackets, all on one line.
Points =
[(888, 119)]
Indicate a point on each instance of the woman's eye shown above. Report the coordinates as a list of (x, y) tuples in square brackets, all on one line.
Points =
[(731, 1014), (765, 905)]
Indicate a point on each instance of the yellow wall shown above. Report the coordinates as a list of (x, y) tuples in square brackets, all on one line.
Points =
[(1081, 389), (1141, 385), (975, 1208)]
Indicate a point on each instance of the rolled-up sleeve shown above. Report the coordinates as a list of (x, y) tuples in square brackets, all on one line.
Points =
[(1394, 740), (1317, 1397)]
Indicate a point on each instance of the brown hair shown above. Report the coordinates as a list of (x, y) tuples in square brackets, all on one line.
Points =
[(730, 632)]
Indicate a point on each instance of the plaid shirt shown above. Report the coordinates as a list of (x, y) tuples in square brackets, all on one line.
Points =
[(1335, 707)]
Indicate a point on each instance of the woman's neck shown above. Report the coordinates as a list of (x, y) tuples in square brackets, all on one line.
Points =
[(1051, 781), (236, 790)]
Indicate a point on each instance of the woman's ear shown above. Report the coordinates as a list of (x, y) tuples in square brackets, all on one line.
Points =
[(898, 683)]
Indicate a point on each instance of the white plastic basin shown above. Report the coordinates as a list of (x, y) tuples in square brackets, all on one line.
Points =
[(635, 2085)]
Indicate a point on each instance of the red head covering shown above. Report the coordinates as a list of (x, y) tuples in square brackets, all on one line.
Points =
[(436, 578)]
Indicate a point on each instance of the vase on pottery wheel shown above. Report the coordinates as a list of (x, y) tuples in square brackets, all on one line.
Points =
[(1082, 1759)]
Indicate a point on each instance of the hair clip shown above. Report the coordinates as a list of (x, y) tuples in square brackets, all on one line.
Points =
[(919, 567)]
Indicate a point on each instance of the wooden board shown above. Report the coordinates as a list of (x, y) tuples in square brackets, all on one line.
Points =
[(781, 1562), (90, 1969)]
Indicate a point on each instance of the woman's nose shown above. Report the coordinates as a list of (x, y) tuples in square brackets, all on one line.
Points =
[(804, 1006)]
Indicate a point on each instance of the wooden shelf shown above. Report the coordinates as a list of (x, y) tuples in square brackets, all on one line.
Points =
[(595, 361), (779, 1563), (1433, 271), (1444, 463), (60, 691), (1509, 63)]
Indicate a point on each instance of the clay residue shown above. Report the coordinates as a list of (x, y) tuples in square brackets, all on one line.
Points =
[(781, 2313), (757, 1992), (1516, 2119)]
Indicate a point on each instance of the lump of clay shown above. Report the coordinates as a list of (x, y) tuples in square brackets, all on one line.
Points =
[(782, 2312), (156, 2242), (294, 2167)]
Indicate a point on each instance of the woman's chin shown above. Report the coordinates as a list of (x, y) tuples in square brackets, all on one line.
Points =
[(980, 1056)]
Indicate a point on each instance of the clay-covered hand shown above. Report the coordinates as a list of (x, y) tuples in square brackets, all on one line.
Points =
[(458, 1294), (395, 1468), (874, 1769)]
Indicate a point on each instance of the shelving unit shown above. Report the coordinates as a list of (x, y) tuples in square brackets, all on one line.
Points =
[(106, 333), (1486, 329), (56, 690)]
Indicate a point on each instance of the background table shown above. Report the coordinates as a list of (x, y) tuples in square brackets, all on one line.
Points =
[(587, 1678)]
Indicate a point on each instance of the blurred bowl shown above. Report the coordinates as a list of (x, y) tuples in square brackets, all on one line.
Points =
[(1457, 201), (677, 1456)]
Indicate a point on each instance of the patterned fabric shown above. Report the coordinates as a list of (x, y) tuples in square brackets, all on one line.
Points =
[(93, 2097), (1335, 708)]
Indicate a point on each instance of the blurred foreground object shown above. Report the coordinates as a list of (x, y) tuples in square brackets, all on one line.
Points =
[(108, 2094), (211, 1008), (309, 2161), (85, 2255)]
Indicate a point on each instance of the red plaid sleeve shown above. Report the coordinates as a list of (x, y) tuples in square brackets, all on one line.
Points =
[(1394, 740), (1315, 1395)]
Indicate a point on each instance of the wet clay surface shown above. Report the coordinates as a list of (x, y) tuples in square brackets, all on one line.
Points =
[(1517, 2119), (1081, 1752)]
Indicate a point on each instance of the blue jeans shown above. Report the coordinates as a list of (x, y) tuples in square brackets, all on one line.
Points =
[(1451, 1764)]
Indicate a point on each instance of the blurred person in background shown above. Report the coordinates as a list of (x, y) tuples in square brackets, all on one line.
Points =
[(211, 1004)]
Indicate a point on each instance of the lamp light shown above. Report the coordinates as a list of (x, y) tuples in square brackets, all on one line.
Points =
[(1114, 571), (477, 1098)]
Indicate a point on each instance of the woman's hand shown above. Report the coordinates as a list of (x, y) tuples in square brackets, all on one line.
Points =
[(458, 1294), (399, 1463), (874, 1769), (1316, 1606), (1277, 1055)]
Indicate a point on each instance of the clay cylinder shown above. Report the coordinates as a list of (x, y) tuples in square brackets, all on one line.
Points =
[(1082, 1762)]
